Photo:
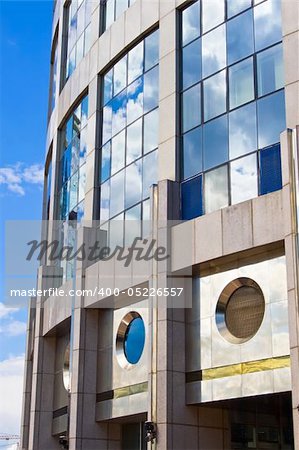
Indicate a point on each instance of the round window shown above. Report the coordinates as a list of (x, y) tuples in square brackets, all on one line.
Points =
[(130, 339), (240, 310), (66, 368)]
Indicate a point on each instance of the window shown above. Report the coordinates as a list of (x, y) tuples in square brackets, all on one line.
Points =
[(78, 34), (130, 131), (191, 192), (112, 9), (191, 108), (213, 51), (243, 175), (72, 164), (53, 83), (232, 101), (242, 131), (216, 189), (270, 70), (271, 119), (240, 37), (270, 166), (215, 95), (212, 13), (130, 340), (267, 24), (241, 84), (215, 142)]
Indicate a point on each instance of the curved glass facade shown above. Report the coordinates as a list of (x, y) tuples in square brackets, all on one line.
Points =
[(78, 18), (232, 103), (112, 9), (130, 124)]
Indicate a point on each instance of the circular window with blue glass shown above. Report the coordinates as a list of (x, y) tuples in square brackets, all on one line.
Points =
[(130, 339)]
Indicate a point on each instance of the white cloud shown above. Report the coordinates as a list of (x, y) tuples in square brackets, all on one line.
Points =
[(16, 176), (6, 311), (13, 328), (11, 387)]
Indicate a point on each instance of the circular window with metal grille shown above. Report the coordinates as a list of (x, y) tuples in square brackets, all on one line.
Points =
[(240, 310)]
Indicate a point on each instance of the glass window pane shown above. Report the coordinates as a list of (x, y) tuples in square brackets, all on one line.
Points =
[(135, 62), (212, 13), (80, 20), (106, 159), (191, 193), (116, 232), (192, 153), (64, 201), (213, 51), (73, 191), (149, 173), (108, 87), (191, 63), (243, 175), (107, 123), (66, 164), (267, 23), (87, 12), (241, 83), (132, 224), (214, 91), (119, 106), (84, 111), (82, 181), (109, 13), (242, 131), (133, 183), (151, 89), (270, 170), (120, 7), (151, 50), (72, 62), (105, 201), (191, 23), (191, 108), (120, 75), (270, 70), (215, 142), (240, 37), (235, 7), (69, 130), (83, 146), (117, 193), (75, 155), (134, 141), (135, 100), (271, 119), (151, 131), (216, 189), (118, 146)]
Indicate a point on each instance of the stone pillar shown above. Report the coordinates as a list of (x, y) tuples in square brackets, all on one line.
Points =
[(43, 371), (84, 431), (290, 145)]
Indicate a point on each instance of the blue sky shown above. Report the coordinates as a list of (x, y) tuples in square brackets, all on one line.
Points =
[(25, 29)]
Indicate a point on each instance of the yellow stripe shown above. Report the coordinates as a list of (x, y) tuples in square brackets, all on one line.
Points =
[(246, 367), (130, 390)]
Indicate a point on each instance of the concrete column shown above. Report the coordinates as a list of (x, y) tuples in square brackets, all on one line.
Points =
[(84, 431), (290, 144), (43, 370)]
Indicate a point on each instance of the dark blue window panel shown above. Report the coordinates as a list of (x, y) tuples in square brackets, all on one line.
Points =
[(191, 197), (134, 340), (270, 170)]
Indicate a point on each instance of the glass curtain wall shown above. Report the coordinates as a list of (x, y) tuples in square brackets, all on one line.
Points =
[(78, 19), (128, 154), (232, 102), (72, 177), (112, 9)]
